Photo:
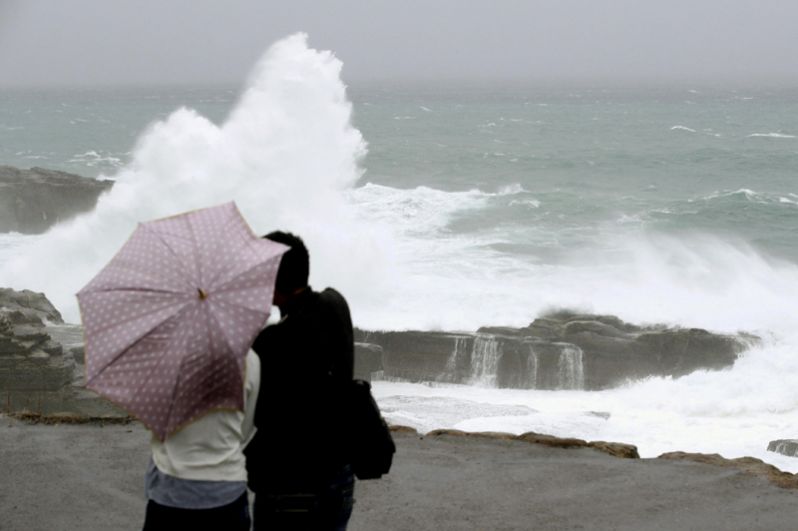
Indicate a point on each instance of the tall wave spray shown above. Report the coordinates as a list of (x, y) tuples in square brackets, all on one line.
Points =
[(284, 154)]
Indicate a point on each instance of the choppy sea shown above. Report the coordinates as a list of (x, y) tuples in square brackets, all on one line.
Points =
[(444, 206)]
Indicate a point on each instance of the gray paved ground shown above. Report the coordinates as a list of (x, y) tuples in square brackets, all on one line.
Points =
[(90, 478)]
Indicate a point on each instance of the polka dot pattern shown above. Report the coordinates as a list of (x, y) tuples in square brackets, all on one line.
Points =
[(169, 320)]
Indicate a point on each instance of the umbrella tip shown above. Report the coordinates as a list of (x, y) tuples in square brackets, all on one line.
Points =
[(202, 294)]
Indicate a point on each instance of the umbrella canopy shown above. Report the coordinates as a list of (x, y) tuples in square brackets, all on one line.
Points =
[(169, 320)]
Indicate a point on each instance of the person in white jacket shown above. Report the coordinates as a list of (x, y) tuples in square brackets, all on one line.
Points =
[(197, 477)]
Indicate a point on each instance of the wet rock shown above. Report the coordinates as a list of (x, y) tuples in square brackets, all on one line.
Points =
[(747, 465), (787, 447), (31, 201), (622, 450), (368, 360), (33, 367), (27, 307), (42, 373), (561, 350), (416, 356)]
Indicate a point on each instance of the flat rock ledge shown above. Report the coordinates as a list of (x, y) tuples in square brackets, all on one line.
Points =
[(627, 451), (32, 201), (559, 350), (748, 465)]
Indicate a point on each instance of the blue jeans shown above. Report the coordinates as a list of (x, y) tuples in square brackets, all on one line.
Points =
[(326, 510), (232, 517)]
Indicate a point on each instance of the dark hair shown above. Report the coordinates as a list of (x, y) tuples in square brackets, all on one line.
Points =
[(295, 265)]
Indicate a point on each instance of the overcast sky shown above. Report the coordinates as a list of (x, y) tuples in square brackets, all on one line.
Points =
[(109, 42)]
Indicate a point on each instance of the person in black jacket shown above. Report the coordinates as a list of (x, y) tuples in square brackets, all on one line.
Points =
[(297, 462)]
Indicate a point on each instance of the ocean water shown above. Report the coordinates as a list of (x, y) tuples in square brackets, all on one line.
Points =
[(456, 206)]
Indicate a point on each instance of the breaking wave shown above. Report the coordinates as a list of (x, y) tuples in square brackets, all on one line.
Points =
[(284, 154)]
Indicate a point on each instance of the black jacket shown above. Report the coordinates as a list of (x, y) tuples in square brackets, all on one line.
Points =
[(306, 361)]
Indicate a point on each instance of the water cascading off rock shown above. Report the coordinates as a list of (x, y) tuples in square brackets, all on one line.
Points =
[(560, 351)]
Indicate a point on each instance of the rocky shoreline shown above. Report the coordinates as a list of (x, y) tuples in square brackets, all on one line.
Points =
[(42, 367), (41, 361)]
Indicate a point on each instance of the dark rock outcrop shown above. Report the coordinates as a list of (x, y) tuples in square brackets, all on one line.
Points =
[(787, 447), (28, 307), (41, 368), (31, 201), (562, 350), (30, 362), (368, 360)]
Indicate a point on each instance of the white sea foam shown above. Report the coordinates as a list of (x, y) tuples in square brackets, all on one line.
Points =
[(531, 203), (770, 135), (92, 159), (682, 128), (629, 219), (417, 211), (695, 280), (692, 281), (747, 193), (512, 189)]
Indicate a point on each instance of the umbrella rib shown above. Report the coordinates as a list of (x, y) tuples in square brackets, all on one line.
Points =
[(180, 372), (108, 327), (160, 237), (231, 304), (240, 273), (115, 289), (157, 365), (136, 342), (141, 275), (225, 226), (197, 259)]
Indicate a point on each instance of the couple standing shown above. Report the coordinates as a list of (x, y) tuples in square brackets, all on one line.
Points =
[(296, 463)]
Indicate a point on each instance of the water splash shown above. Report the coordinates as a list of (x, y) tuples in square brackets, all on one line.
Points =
[(284, 154), (485, 354), (533, 364), (455, 359), (570, 368)]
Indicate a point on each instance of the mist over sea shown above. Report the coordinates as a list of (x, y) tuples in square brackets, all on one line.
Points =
[(453, 207)]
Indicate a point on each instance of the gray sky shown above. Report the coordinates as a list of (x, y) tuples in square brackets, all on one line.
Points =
[(108, 42)]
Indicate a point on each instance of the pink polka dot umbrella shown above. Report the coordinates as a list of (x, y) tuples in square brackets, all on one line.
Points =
[(169, 320)]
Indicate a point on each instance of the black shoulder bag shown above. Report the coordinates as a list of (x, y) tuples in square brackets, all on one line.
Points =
[(371, 444)]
